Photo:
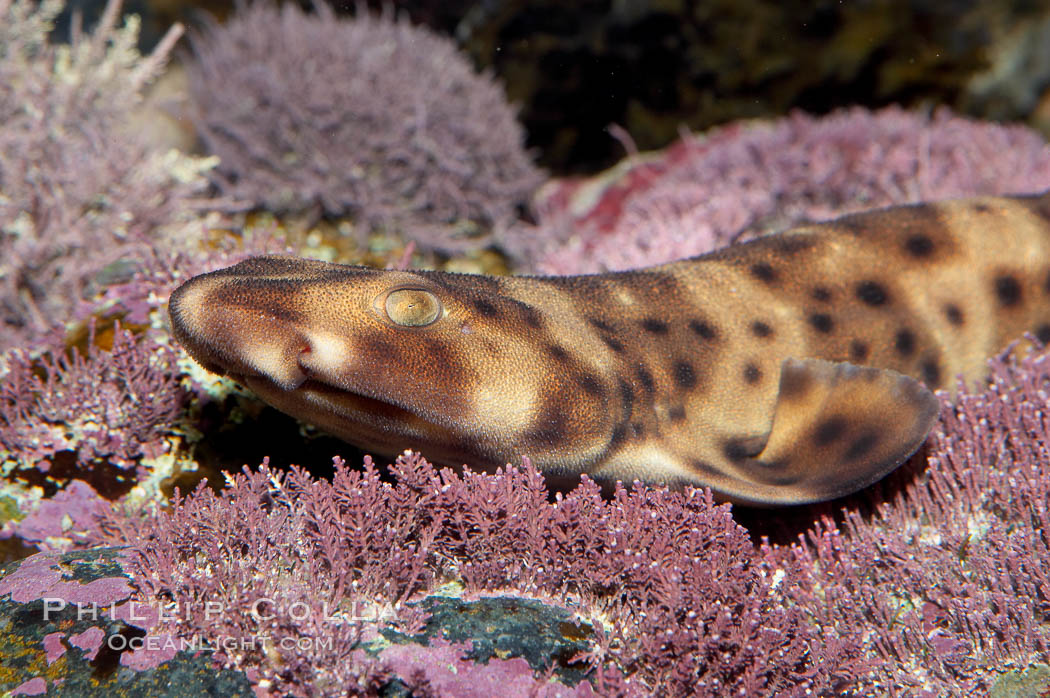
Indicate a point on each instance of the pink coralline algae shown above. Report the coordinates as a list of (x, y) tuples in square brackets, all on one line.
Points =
[(33, 687), (84, 197), (53, 646), (59, 520), (90, 641), (368, 117), (48, 575), (113, 406), (79, 430), (441, 670), (682, 602), (744, 179)]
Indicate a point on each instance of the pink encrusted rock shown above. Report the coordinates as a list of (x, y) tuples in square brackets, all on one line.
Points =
[(33, 687), (42, 576), (54, 646), (155, 651), (70, 512), (447, 672), (942, 584), (90, 641)]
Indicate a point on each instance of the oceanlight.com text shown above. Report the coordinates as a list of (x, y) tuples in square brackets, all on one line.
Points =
[(227, 643)]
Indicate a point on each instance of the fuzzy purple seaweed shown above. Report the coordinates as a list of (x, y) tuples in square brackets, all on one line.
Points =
[(748, 178), (368, 117)]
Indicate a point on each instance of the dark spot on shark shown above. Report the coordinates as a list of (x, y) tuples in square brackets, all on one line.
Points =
[(764, 272), (266, 306), (735, 451), (557, 353), (1008, 290), (646, 379), (872, 293), (821, 322), (953, 313), (919, 245), (931, 372), (626, 396), (591, 384), (761, 329), (684, 375), (752, 373), (486, 308), (654, 325), (830, 430), (904, 342), (529, 315), (862, 445), (741, 448), (703, 330)]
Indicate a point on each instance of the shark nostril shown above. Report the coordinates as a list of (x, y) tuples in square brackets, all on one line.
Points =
[(303, 358)]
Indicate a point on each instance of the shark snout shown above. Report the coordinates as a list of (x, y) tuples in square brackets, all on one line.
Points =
[(237, 340)]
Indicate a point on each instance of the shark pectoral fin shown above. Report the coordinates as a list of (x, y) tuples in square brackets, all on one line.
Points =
[(836, 428)]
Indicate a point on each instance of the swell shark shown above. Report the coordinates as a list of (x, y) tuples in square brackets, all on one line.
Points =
[(794, 368)]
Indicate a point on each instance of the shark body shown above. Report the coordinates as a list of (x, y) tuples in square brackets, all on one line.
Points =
[(793, 368)]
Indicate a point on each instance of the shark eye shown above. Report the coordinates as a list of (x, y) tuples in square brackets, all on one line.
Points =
[(412, 307)]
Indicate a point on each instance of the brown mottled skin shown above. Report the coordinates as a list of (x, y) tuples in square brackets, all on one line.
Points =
[(780, 371)]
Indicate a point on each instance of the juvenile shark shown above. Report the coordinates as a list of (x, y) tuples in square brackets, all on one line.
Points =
[(785, 370)]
